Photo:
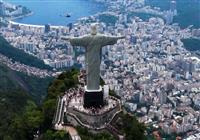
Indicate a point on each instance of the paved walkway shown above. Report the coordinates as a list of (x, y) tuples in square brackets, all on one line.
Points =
[(73, 133)]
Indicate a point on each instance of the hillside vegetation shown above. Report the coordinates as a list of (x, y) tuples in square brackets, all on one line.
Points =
[(11, 80), (20, 56), (21, 118)]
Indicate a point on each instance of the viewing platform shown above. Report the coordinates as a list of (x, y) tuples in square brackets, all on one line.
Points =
[(71, 106), (71, 110)]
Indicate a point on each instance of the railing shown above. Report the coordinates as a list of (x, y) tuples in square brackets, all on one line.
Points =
[(98, 114), (62, 112), (77, 119), (76, 113), (58, 116), (55, 120)]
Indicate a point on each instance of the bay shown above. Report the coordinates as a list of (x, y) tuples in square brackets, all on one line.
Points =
[(53, 11), (188, 11)]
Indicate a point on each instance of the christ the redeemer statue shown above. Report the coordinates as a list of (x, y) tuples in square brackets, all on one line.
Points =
[(93, 44)]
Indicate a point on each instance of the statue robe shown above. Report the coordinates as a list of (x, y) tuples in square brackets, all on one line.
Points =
[(93, 45)]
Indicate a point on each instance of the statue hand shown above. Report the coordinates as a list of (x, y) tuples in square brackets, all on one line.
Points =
[(122, 37)]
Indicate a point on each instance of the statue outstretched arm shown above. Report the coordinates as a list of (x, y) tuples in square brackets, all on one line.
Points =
[(120, 37), (111, 40), (75, 41)]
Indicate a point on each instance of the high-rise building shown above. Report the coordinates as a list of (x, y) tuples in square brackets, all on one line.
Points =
[(47, 28), (173, 7), (2, 9), (169, 17), (70, 25), (162, 96), (133, 39)]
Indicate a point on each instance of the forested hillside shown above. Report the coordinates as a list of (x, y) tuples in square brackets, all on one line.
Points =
[(20, 56), (22, 115), (11, 80)]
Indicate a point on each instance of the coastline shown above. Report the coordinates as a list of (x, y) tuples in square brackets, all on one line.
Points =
[(11, 21), (198, 38), (22, 16), (63, 23), (33, 25)]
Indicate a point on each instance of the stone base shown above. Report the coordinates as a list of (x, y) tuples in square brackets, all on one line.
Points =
[(80, 116), (93, 98)]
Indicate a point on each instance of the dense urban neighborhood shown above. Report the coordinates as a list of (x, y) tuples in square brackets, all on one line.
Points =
[(157, 78)]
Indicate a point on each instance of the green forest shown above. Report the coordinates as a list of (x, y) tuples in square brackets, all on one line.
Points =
[(21, 116), (12, 80)]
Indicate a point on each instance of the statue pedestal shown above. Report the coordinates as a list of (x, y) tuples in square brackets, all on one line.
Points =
[(93, 98)]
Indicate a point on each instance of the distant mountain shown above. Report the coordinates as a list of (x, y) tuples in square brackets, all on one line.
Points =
[(20, 56), (12, 81)]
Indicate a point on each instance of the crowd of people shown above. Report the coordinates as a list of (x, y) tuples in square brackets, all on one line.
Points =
[(74, 98)]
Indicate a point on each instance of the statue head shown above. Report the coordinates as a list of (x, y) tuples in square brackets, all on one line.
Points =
[(93, 29)]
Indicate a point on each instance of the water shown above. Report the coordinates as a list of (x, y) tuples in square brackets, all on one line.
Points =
[(191, 44), (49, 11), (52, 11), (188, 11)]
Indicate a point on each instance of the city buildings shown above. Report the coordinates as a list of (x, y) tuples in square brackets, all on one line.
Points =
[(156, 77)]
